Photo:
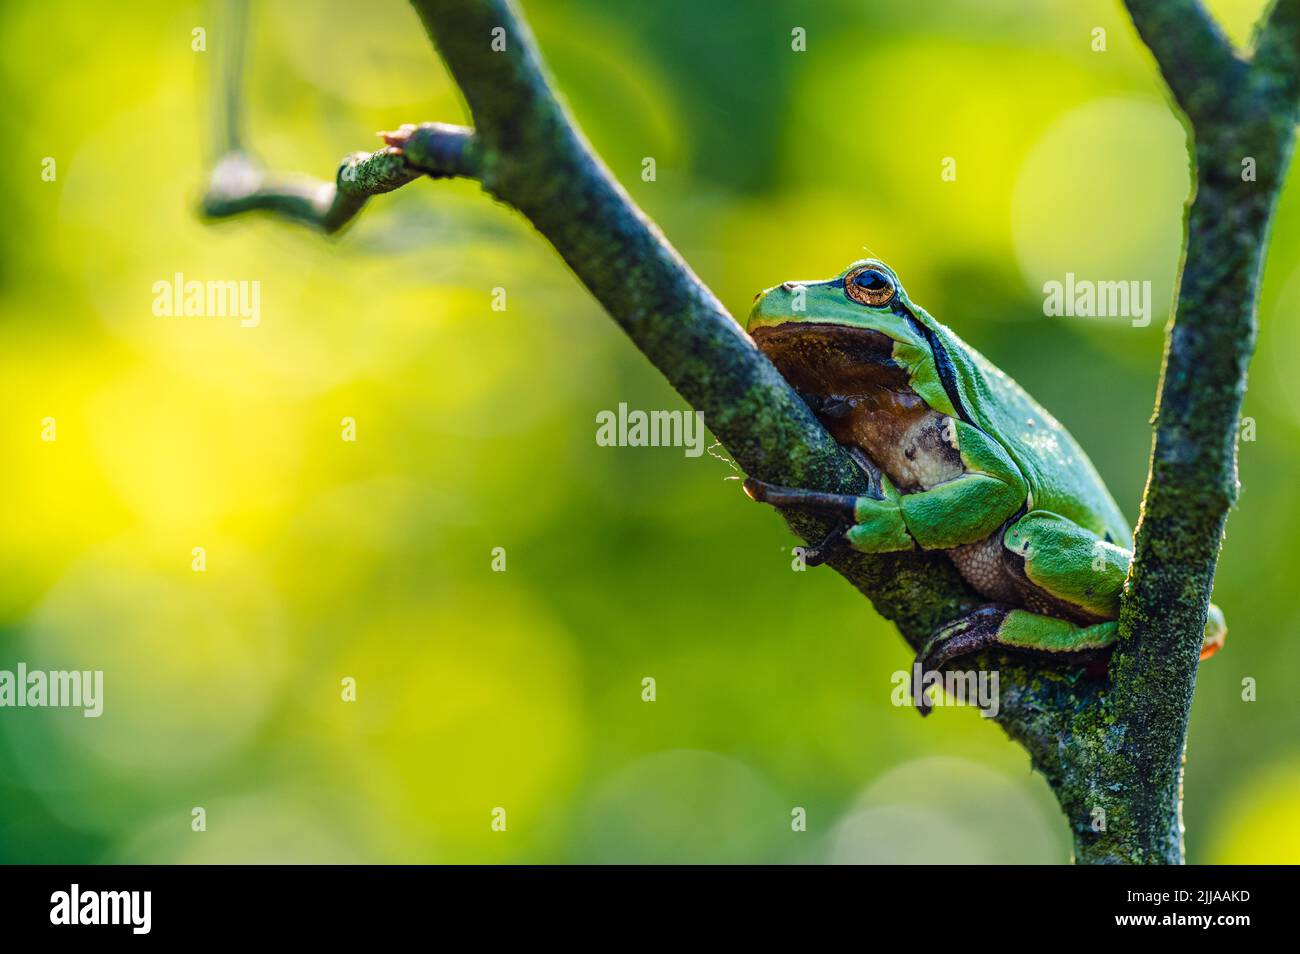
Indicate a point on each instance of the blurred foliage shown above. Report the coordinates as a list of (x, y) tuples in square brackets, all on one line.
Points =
[(371, 559)]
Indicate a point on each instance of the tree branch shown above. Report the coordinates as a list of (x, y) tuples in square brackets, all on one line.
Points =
[(1100, 743), (528, 153), (1277, 52), (1196, 59), (1192, 481), (534, 159), (240, 185)]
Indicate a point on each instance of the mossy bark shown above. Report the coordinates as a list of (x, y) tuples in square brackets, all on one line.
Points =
[(1240, 117)]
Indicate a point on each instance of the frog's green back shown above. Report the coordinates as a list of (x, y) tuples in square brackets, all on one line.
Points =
[(1061, 477)]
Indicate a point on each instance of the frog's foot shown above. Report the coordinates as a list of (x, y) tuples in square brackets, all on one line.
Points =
[(1216, 631), (1004, 627), (840, 506), (967, 634)]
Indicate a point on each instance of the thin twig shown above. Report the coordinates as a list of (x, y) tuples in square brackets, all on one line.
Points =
[(240, 185)]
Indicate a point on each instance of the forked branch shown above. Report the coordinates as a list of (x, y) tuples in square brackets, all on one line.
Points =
[(1111, 749)]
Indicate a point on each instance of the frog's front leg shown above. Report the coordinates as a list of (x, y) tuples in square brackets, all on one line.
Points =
[(869, 524), (961, 510), (964, 509)]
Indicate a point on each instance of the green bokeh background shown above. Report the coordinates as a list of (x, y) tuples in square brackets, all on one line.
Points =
[(522, 689)]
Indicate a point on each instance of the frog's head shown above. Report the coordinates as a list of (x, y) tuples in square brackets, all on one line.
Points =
[(855, 333)]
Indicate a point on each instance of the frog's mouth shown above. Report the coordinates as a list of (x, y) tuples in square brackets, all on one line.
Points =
[(823, 359)]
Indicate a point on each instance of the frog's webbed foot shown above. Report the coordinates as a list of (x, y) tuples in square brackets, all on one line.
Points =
[(1007, 627), (839, 506), (875, 521)]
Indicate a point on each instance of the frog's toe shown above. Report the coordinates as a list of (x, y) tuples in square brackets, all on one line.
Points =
[(835, 542), (841, 505), (971, 633), (757, 490)]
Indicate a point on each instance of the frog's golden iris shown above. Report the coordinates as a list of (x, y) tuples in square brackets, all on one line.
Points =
[(869, 286)]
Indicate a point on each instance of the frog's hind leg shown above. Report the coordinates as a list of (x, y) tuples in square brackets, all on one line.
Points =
[(996, 626), (1063, 569), (1066, 570)]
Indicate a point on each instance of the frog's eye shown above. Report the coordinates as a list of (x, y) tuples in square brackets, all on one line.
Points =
[(869, 286)]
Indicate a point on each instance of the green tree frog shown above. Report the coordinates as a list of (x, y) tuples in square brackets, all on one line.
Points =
[(960, 459)]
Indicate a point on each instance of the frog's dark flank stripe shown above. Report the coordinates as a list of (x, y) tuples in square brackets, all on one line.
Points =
[(942, 362)]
